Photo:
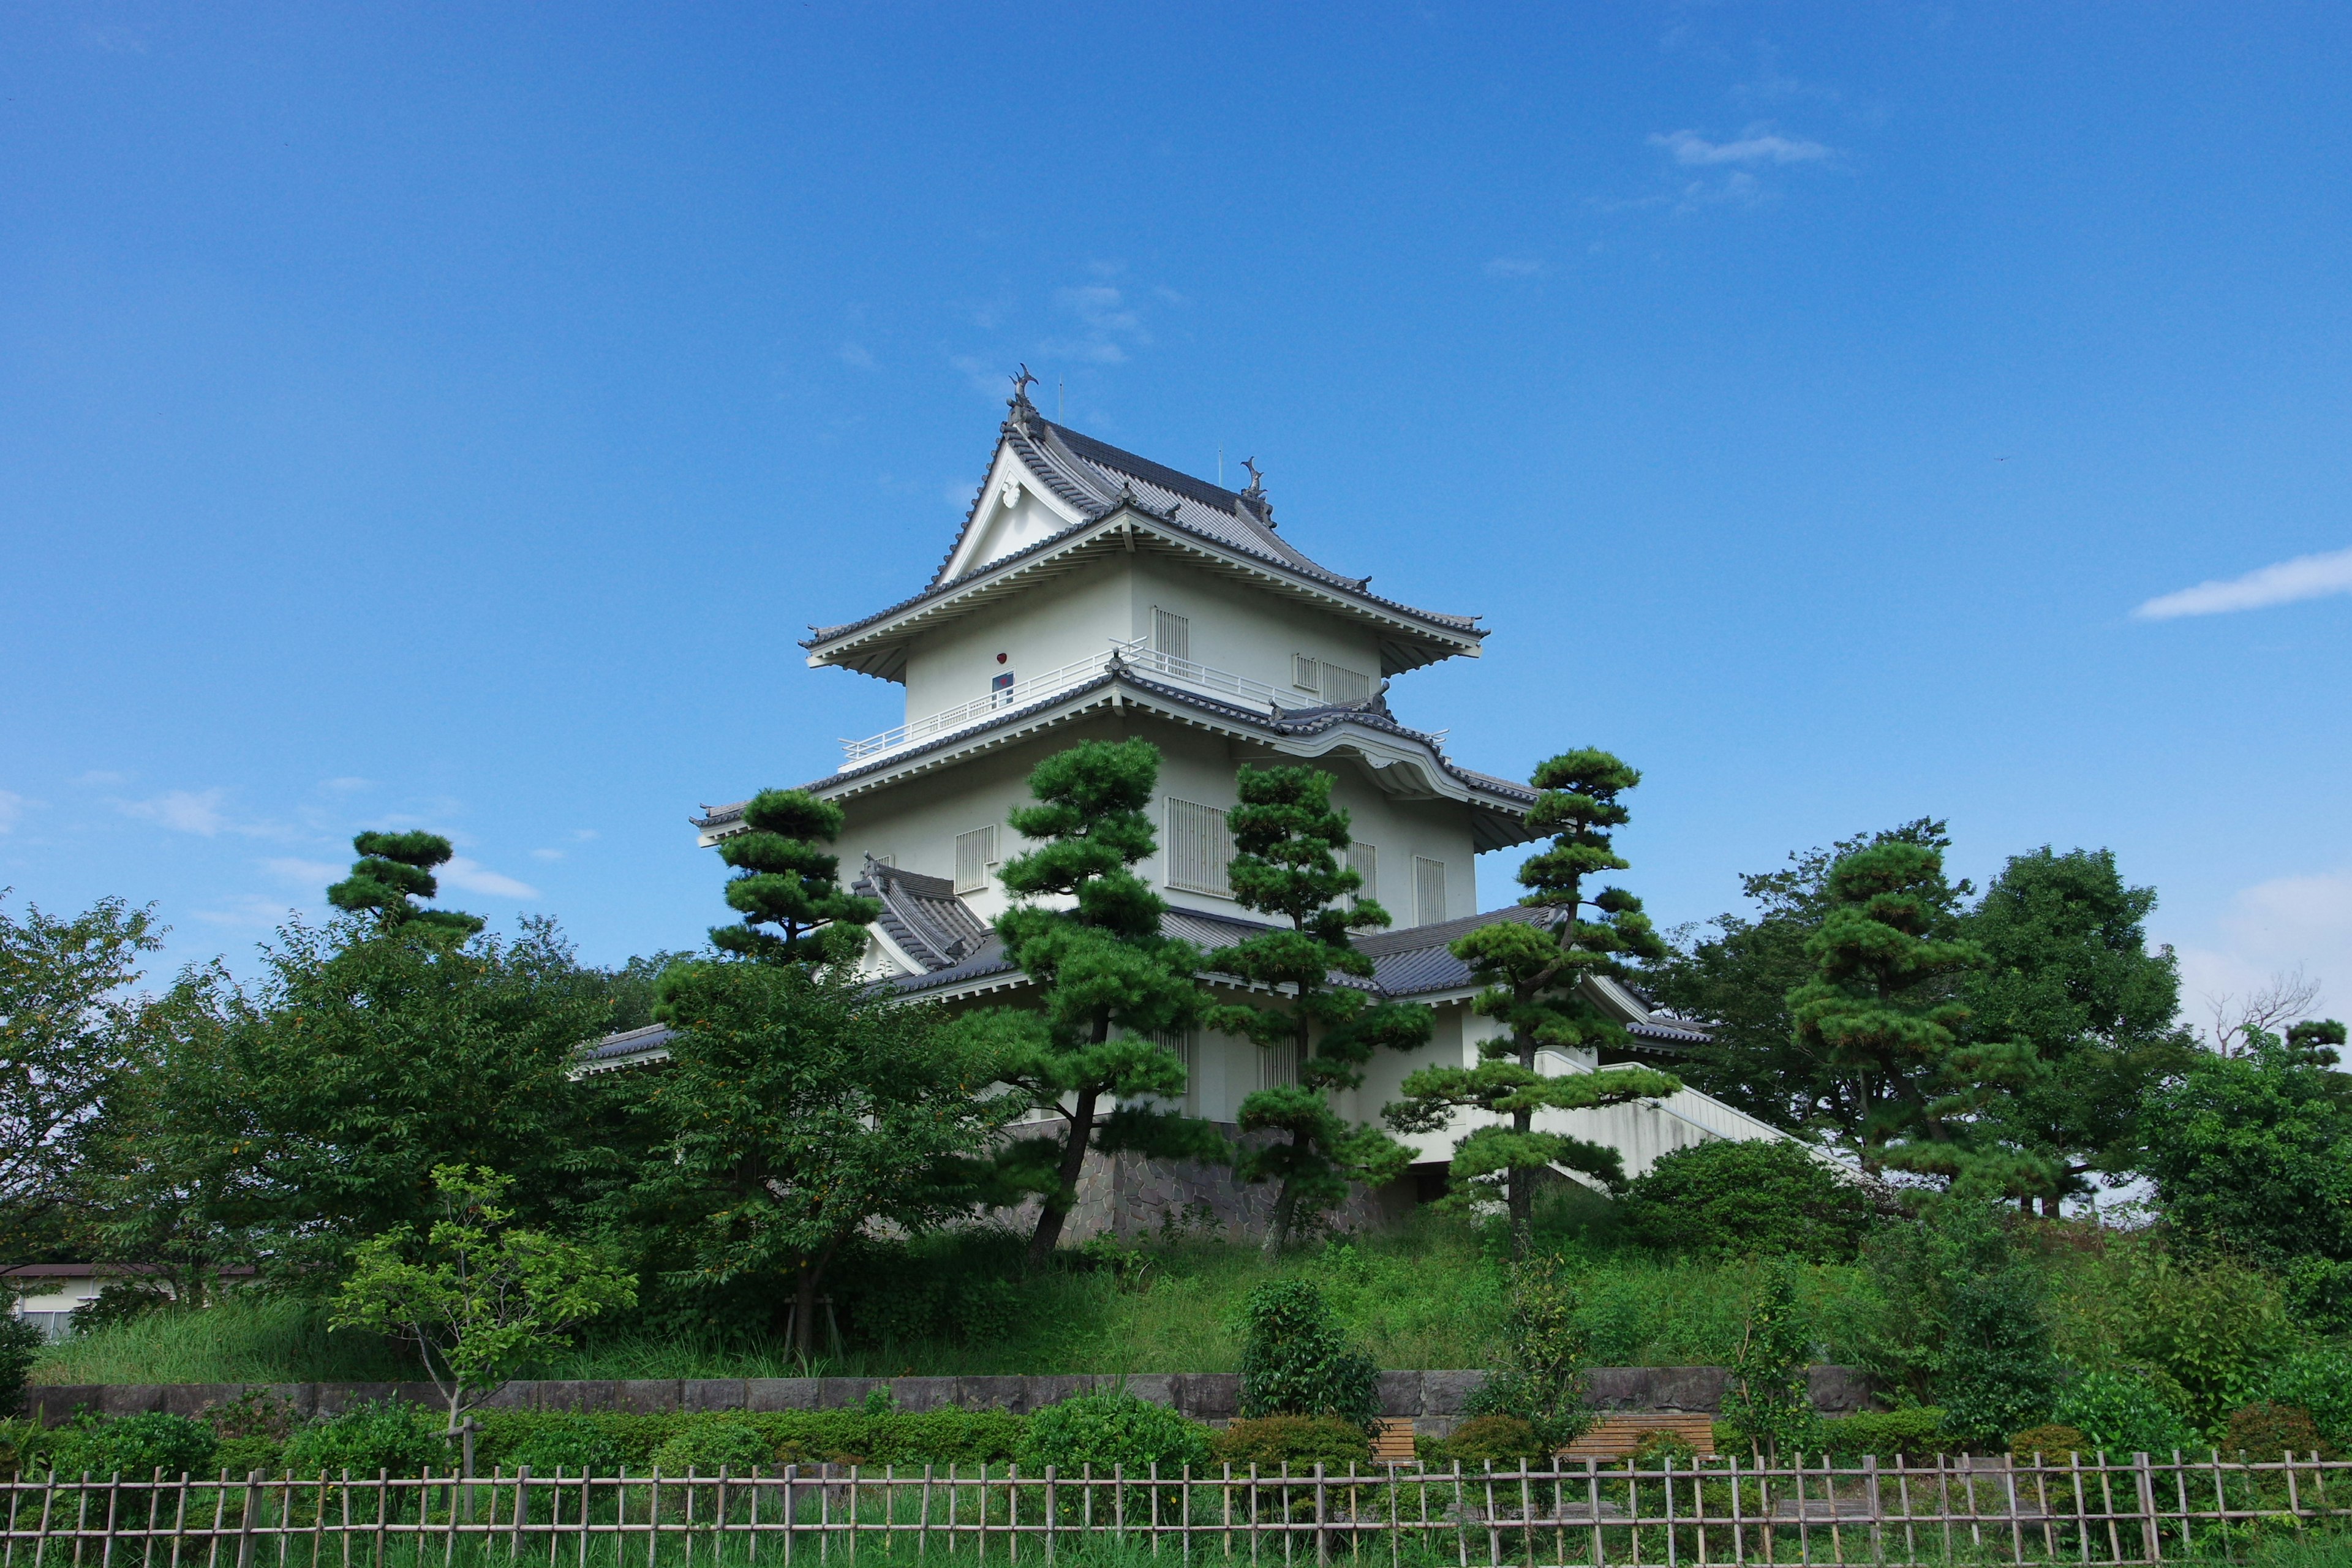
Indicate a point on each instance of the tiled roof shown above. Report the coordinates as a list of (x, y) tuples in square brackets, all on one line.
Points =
[(1093, 478), (922, 914)]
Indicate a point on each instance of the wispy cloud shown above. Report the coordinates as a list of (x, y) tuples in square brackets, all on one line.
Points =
[(249, 911), (2294, 923), (476, 878), (547, 854), (12, 809), (856, 356), (312, 874), (1756, 146), (345, 785), (182, 811), (2305, 577), (1513, 266), (1111, 323)]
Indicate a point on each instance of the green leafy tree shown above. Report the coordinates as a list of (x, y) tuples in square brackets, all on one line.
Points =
[(1767, 1400), (395, 870), (1108, 981), (2069, 973), (22, 1343), (1745, 1199), (477, 1296), (2254, 1153), (1287, 839), (799, 1106), (68, 1039), (1882, 1010), (786, 878), (1739, 977), (1538, 1375), (1296, 1362), (1535, 973)]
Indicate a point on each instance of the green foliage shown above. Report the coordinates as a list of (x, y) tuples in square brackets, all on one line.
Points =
[(784, 876), (1296, 1360), (619, 1440), (1537, 1375), (1301, 1442), (2320, 1381), (1915, 1429), (372, 1436), (21, 1344), (2211, 1326), (2264, 1428), (796, 1107), (1745, 1199), (2254, 1153), (394, 870), (135, 1446), (1112, 1428), (68, 1037), (1534, 972), (1108, 981), (1768, 1402), (2069, 973), (711, 1443), (572, 1443), (477, 1297), (1958, 1316), (2121, 1414), (2050, 1441), (1287, 839), (1880, 1011), (1496, 1439)]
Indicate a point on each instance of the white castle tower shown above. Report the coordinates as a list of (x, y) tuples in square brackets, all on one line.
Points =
[(1094, 595)]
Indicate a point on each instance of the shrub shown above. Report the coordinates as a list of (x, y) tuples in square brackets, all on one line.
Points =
[(1539, 1375), (243, 1456), (2321, 1382), (2052, 1440), (368, 1437), (574, 1445), (2264, 1430), (2118, 1413), (1742, 1199), (1295, 1362), (136, 1446), (1768, 1403), (1113, 1428), (21, 1344), (1494, 1439), (1660, 1445), (1298, 1441), (710, 1445), (2215, 1327), (1916, 1430)]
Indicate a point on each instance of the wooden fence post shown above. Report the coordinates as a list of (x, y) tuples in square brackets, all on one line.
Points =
[(2151, 1541)]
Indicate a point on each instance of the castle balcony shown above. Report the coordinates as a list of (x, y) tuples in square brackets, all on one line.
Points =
[(1135, 655)]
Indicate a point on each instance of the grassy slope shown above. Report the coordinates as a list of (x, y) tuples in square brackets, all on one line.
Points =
[(1429, 1294)]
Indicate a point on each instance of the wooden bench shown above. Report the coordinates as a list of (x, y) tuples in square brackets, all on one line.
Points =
[(1614, 1437), (1392, 1444)]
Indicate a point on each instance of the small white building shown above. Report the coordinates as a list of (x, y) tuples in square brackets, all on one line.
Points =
[(1093, 594)]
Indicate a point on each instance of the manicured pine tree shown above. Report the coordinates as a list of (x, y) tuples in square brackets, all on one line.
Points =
[(393, 871), (1287, 839), (785, 877), (1109, 980), (1883, 1009), (1534, 972)]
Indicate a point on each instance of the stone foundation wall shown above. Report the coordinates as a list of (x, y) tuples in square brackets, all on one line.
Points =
[(1432, 1400)]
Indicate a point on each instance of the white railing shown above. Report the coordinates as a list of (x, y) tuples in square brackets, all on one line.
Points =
[(1134, 653)]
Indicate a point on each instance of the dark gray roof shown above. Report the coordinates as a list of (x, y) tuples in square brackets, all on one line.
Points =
[(1096, 479), (1302, 722), (922, 914)]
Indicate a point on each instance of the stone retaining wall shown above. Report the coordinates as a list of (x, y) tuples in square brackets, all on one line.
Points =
[(1432, 1400)]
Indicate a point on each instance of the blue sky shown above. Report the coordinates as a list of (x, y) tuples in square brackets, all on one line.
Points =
[(452, 415)]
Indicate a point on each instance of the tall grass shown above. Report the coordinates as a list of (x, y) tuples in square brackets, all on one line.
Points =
[(249, 1337)]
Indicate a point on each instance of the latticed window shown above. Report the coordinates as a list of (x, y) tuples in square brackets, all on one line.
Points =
[(1200, 850), (1171, 634), (1278, 1065), (1345, 685), (1364, 860), (1428, 891), (1305, 674), (975, 853)]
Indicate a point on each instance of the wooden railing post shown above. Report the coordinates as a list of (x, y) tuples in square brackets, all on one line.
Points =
[(2150, 1534)]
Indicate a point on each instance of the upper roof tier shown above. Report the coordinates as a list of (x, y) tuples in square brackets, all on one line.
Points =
[(1054, 498)]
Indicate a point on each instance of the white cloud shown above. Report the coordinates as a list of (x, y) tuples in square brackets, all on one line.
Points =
[(855, 356), (1755, 145), (985, 378), (304, 873), (249, 912), (2288, 923), (582, 834), (1513, 266), (476, 878), (12, 809), (2305, 577), (345, 785), (99, 778), (183, 811), (547, 854)]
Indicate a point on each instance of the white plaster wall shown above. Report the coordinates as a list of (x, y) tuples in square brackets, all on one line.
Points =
[(1246, 631), (1058, 622)]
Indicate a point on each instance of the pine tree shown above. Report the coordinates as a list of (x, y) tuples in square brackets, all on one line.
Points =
[(1109, 980), (1883, 1009), (1287, 839), (393, 869), (785, 877), (1534, 972)]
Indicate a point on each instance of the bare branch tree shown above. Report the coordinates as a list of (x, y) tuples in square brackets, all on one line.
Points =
[(2287, 995)]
